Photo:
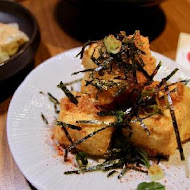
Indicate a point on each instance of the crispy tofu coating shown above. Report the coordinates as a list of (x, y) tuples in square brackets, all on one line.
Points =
[(116, 72), (162, 140), (86, 109)]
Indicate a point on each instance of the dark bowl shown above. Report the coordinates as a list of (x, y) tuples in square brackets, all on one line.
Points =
[(18, 64), (140, 3)]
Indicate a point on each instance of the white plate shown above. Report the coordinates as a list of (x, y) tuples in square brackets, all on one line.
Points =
[(33, 152)]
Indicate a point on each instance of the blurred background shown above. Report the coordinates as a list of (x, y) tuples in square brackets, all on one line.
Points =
[(68, 23), (89, 20)]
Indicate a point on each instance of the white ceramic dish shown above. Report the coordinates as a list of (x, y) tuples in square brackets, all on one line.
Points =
[(33, 152)]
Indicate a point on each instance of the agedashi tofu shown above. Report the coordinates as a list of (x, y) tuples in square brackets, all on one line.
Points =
[(86, 109), (162, 140), (119, 84)]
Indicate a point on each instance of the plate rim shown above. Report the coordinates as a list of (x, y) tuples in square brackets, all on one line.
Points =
[(42, 64)]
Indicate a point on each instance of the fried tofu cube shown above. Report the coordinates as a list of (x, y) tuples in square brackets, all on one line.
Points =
[(86, 109), (109, 96), (162, 140)]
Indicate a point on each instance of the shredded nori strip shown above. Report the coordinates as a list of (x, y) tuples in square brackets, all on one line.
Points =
[(94, 168), (103, 84), (93, 122), (41, 92), (106, 113), (137, 168), (68, 125), (182, 81), (185, 81), (64, 125), (52, 98), (83, 48), (159, 159), (156, 69), (72, 82), (56, 109), (144, 127), (140, 68), (67, 135), (71, 97), (65, 130), (83, 71), (168, 77), (111, 173), (54, 101), (44, 119), (174, 121), (153, 74), (94, 59), (74, 144), (72, 88), (118, 165), (171, 74), (123, 171)]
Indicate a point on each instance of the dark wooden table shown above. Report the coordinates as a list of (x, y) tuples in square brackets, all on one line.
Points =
[(56, 40)]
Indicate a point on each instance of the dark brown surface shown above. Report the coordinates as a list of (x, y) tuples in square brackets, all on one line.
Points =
[(108, 18), (56, 40)]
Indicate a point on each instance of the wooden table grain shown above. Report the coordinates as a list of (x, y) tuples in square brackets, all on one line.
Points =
[(56, 40)]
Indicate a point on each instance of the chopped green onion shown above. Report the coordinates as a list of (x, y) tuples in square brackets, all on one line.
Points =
[(81, 158), (155, 173), (144, 157), (150, 186), (112, 44)]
